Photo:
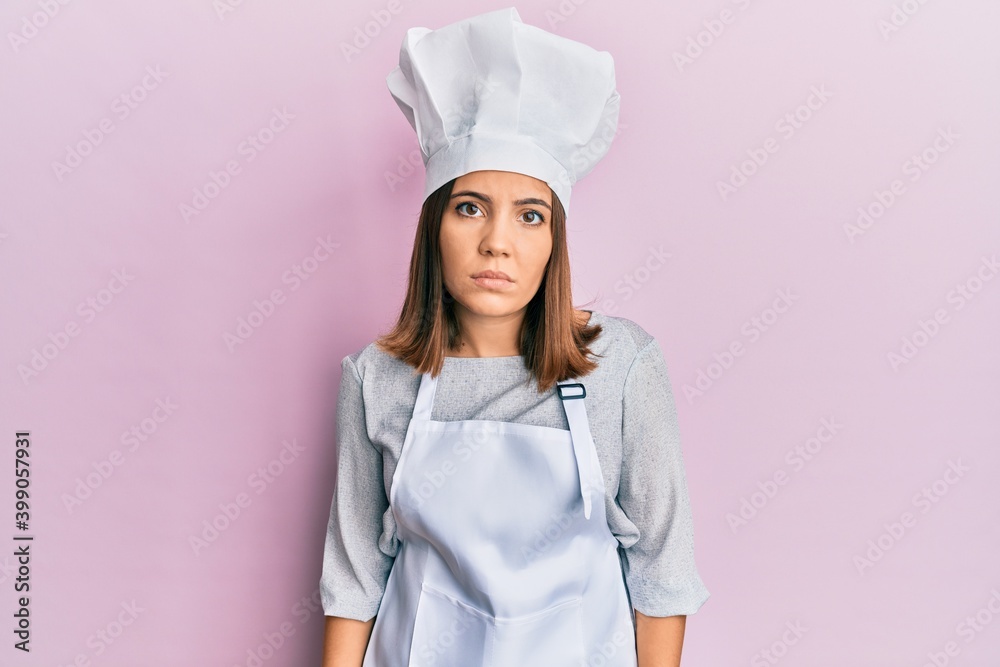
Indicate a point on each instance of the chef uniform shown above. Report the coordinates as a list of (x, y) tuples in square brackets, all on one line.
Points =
[(506, 558)]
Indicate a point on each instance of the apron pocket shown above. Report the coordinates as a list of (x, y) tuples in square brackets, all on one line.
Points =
[(552, 637), (448, 632)]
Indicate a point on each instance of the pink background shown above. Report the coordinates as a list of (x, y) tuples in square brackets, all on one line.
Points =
[(161, 335)]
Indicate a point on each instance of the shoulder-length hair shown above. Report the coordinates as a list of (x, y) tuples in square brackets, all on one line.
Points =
[(553, 342)]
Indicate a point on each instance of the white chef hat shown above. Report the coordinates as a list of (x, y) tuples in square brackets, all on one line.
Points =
[(492, 93)]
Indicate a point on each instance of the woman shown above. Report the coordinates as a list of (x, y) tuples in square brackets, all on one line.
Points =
[(510, 486)]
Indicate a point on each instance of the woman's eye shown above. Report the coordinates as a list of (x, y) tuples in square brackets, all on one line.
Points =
[(536, 218), (461, 206)]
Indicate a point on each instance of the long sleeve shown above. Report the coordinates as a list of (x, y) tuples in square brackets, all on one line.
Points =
[(660, 567), (355, 570)]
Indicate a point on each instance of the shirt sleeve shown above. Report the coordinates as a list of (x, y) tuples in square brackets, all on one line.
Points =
[(355, 570), (659, 568)]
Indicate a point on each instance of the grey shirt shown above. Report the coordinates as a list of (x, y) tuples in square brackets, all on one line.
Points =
[(633, 421)]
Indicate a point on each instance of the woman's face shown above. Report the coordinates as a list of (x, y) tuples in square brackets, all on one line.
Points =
[(496, 221)]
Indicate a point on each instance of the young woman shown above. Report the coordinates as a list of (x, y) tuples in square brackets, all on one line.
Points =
[(510, 488)]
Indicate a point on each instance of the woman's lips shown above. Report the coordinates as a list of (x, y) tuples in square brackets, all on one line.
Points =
[(493, 283)]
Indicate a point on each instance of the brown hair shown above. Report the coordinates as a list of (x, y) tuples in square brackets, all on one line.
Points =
[(555, 345)]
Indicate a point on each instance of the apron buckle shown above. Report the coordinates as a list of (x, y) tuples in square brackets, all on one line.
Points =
[(560, 388)]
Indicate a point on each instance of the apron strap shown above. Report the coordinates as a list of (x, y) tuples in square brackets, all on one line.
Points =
[(576, 415), (425, 398)]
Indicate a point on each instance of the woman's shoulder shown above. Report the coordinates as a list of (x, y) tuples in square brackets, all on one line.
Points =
[(621, 333), (371, 361)]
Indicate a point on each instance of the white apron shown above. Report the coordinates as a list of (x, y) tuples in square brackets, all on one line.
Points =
[(505, 557)]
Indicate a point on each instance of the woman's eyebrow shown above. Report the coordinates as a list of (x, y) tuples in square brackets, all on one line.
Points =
[(485, 198)]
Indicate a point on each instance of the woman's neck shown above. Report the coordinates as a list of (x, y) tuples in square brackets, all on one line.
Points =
[(494, 337)]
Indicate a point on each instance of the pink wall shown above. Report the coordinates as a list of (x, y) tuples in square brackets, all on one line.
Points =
[(133, 291)]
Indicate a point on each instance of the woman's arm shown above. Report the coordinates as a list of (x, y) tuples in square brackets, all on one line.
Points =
[(658, 639), (659, 566), (345, 642), (355, 570)]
